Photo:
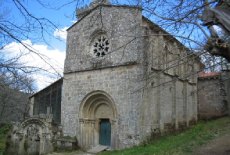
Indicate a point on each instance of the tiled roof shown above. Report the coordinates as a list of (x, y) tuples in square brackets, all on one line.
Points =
[(208, 74)]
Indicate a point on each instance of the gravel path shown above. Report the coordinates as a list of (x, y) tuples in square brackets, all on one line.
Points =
[(218, 146)]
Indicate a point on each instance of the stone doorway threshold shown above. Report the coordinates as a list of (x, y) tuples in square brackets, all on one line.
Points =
[(97, 149)]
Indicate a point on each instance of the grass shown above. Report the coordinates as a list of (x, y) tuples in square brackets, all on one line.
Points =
[(182, 143), (3, 133)]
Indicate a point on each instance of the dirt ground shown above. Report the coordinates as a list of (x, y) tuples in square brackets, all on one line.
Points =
[(218, 146)]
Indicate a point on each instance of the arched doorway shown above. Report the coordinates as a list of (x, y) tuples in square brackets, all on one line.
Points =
[(97, 120)]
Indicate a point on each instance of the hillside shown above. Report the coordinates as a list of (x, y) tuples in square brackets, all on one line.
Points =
[(193, 141)]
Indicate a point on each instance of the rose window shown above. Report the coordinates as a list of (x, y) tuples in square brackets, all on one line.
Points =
[(100, 46)]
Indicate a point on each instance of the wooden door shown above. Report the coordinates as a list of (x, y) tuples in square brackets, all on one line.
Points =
[(105, 132)]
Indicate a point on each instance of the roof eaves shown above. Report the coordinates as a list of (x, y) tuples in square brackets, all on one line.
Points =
[(46, 87)]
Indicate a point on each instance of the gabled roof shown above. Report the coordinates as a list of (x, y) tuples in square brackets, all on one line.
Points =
[(104, 5)]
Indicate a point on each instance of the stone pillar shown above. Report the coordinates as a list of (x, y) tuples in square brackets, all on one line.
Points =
[(174, 104), (225, 77), (114, 135), (88, 136), (159, 102), (31, 106), (185, 101)]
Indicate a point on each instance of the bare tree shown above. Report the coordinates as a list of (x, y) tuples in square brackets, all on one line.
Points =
[(13, 104), (16, 82), (17, 26), (15, 88), (191, 22), (184, 20)]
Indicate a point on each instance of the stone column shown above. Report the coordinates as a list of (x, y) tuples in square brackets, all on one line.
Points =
[(159, 102), (114, 135), (185, 101), (31, 106), (174, 105), (225, 77), (87, 133)]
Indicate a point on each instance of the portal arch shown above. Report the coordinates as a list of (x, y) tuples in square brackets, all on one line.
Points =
[(95, 108)]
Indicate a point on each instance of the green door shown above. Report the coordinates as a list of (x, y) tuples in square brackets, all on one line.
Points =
[(105, 132)]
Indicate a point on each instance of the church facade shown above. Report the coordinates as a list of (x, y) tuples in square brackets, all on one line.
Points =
[(125, 79)]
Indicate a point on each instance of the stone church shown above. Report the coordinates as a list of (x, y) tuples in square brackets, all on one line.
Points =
[(125, 79)]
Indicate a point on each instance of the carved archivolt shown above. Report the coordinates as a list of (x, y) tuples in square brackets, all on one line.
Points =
[(97, 105)]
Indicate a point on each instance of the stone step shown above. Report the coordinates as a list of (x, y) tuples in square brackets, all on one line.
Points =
[(70, 153), (97, 149)]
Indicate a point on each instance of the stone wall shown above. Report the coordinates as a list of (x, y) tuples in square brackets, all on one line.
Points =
[(169, 104), (213, 95), (123, 84), (120, 24), (170, 98)]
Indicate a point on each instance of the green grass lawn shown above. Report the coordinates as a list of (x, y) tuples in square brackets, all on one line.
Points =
[(182, 143)]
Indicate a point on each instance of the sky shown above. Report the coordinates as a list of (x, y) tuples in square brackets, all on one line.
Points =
[(62, 14), (53, 51)]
